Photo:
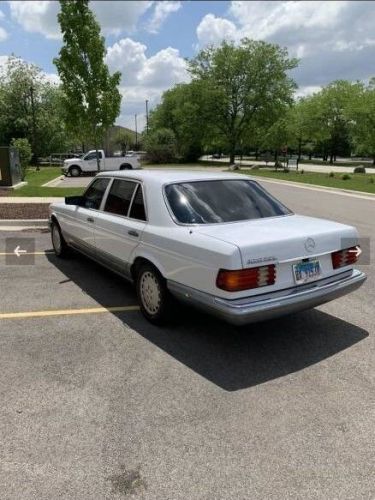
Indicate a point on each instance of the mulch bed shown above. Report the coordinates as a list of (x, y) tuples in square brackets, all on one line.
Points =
[(24, 210)]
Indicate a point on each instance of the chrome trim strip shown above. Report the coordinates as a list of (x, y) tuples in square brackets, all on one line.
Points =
[(253, 309)]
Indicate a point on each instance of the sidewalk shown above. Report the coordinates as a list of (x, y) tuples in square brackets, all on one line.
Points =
[(305, 166)]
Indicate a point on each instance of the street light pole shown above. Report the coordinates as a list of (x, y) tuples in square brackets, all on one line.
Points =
[(147, 116), (136, 132)]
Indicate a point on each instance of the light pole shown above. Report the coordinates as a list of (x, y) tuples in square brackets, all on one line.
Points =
[(147, 116), (136, 132)]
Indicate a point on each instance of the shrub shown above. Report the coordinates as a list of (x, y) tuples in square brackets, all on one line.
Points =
[(346, 177), (359, 170), (161, 145), (25, 152), (302, 171), (286, 170), (331, 174), (371, 180)]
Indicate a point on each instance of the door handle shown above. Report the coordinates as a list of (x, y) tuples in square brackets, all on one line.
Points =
[(133, 233), (90, 219)]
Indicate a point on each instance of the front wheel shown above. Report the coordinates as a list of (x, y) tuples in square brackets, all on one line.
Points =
[(154, 298), (58, 242)]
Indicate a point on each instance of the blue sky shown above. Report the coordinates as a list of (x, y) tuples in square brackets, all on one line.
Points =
[(148, 41)]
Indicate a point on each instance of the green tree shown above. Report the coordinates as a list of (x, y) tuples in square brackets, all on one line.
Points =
[(160, 145), (328, 119), (361, 113), (91, 96), (25, 152), (180, 111), (123, 140), (30, 107), (243, 85), (277, 137)]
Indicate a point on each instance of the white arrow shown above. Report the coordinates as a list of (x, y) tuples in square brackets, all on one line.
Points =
[(357, 250), (18, 251)]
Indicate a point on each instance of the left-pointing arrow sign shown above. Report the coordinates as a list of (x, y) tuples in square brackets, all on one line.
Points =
[(18, 251)]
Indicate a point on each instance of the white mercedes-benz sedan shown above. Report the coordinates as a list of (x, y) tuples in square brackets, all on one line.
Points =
[(216, 241)]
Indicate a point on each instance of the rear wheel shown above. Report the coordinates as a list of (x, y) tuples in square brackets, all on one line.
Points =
[(126, 166), (154, 298), (58, 242), (75, 171)]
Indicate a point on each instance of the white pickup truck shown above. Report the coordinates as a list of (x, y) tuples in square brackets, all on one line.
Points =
[(87, 163)]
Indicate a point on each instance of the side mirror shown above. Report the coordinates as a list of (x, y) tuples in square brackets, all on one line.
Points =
[(75, 200)]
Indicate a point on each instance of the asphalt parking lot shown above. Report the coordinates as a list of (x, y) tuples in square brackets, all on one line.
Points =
[(96, 403)]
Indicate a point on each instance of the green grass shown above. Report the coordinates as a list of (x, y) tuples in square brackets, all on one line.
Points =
[(357, 182), (35, 179)]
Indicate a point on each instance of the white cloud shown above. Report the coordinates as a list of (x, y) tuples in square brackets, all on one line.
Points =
[(40, 16), (307, 90), (333, 39), (213, 30), (162, 10), (3, 34), (144, 77)]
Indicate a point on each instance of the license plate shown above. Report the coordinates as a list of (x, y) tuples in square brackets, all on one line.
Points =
[(304, 272)]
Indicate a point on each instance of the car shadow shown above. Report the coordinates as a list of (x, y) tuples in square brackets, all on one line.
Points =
[(232, 358)]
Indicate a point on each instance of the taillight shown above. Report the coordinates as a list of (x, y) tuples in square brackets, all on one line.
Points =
[(244, 279), (345, 257)]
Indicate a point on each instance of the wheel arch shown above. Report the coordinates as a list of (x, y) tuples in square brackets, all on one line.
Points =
[(126, 166), (145, 259)]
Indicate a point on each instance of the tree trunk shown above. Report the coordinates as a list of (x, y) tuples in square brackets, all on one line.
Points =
[(257, 154), (310, 155), (373, 160), (232, 155), (96, 149), (299, 148)]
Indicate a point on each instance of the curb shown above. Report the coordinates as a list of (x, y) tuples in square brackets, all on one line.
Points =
[(23, 223)]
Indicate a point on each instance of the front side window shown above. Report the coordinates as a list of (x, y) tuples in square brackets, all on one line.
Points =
[(95, 192), (119, 197), (92, 156), (218, 201)]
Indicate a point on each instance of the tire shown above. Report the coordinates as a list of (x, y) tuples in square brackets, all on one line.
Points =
[(126, 166), (75, 171), (155, 301), (58, 242)]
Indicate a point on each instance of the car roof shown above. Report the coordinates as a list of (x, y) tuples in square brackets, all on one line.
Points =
[(167, 175)]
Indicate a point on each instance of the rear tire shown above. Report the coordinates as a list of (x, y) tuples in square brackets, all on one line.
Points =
[(154, 298), (126, 166), (58, 242), (75, 171)]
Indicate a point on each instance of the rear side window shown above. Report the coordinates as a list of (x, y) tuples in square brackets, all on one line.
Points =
[(119, 197), (95, 193), (137, 210), (218, 201)]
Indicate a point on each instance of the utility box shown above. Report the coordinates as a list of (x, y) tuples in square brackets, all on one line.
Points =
[(10, 167)]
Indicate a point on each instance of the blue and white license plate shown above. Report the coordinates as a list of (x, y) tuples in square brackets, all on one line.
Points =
[(304, 272)]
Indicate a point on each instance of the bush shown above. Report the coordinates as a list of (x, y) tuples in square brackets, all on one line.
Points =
[(346, 177), (359, 170), (331, 174), (371, 180), (302, 171), (160, 145), (25, 152)]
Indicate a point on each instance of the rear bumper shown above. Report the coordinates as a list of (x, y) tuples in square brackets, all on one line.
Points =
[(274, 304)]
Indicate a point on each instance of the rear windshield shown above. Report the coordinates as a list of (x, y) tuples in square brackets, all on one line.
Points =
[(218, 201)]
